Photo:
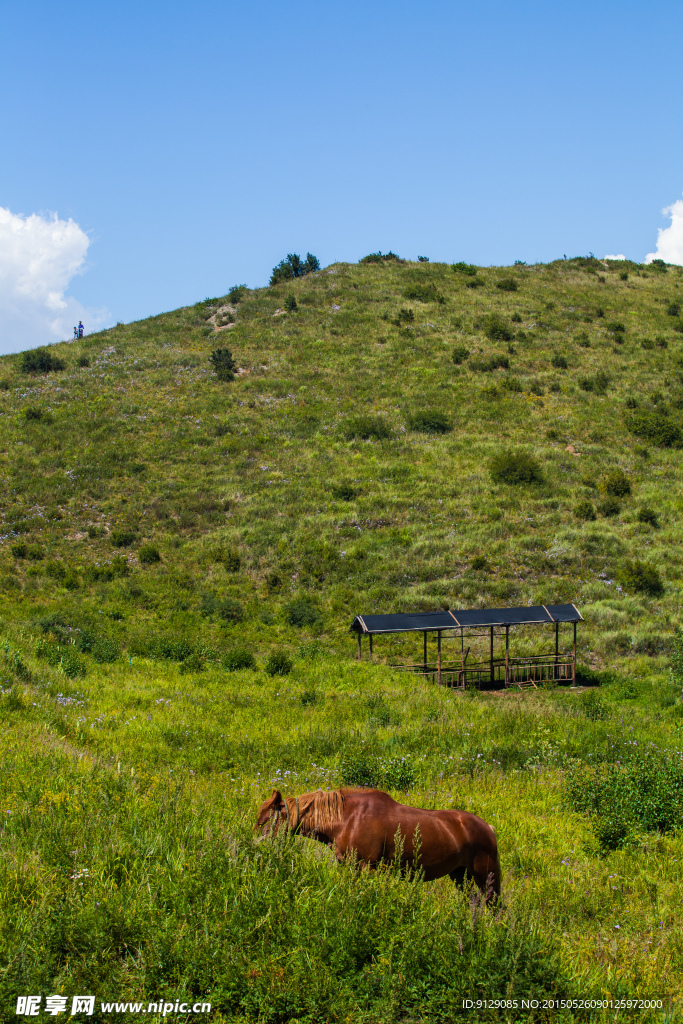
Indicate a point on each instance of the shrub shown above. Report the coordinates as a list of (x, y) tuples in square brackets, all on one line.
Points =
[(294, 266), (32, 414), (423, 293), (359, 768), (32, 551), (642, 577), (237, 293), (237, 659), (149, 554), (429, 421), (515, 467), (460, 353), (279, 664), (107, 571), (673, 308), (617, 483), (223, 364), (649, 516), (83, 361), (597, 384), (558, 361), (643, 791), (623, 276), (584, 510), (465, 268), (609, 507), (480, 563), (516, 318), (507, 284), (584, 340), (193, 663), (63, 574), (490, 364), (496, 329), (121, 538), (474, 282), (648, 344), (367, 427), (302, 612), (291, 303), (405, 316), (616, 327), (104, 650), (344, 492), (225, 608), (656, 427), (41, 360), (379, 257)]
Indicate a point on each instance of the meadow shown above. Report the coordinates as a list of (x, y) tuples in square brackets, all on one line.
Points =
[(181, 559)]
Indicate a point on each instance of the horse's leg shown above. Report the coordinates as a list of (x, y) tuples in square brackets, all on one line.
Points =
[(487, 876), (459, 876)]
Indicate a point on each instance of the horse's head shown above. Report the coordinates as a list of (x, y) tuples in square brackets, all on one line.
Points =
[(271, 814)]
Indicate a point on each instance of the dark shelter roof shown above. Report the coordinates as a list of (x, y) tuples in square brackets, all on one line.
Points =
[(421, 621)]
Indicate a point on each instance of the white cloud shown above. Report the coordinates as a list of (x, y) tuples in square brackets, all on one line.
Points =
[(670, 240), (38, 258), (620, 257)]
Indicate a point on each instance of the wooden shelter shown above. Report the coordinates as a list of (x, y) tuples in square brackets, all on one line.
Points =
[(495, 672)]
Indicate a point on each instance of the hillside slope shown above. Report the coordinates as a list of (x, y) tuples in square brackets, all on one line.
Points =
[(321, 476)]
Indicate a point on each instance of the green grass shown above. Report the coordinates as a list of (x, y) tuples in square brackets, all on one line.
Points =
[(347, 469)]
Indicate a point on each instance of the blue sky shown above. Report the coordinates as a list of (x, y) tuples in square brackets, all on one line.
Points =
[(195, 144)]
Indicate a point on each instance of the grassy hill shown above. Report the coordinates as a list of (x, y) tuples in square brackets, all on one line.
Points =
[(398, 436)]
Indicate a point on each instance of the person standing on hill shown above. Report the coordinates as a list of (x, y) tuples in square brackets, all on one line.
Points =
[(81, 328), (75, 333)]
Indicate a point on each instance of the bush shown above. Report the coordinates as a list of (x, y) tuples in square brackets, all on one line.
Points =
[(656, 427), (379, 257), (279, 664), (460, 354), (34, 415), (465, 268), (193, 663), (584, 510), (474, 282), (648, 344), (405, 316), (226, 608), (423, 293), (597, 384), (83, 361), (560, 362), (237, 659), (104, 650), (649, 516), (32, 551), (223, 364), (367, 427), (644, 791), (293, 266), (609, 507), (121, 538), (429, 421), (507, 284), (516, 318), (490, 364), (361, 768), (673, 308), (41, 360), (302, 612), (642, 577), (344, 492), (617, 483), (149, 554), (291, 303), (515, 467), (496, 329), (63, 574), (237, 293), (480, 563)]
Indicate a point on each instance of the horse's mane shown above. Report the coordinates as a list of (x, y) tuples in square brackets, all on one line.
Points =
[(317, 810)]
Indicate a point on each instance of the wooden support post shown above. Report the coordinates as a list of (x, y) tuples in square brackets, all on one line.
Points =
[(370, 646), (507, 655), (439, 669), (424, 653), (462, 655), (360, 652), (574, 659), (557, 647), (491, 655)]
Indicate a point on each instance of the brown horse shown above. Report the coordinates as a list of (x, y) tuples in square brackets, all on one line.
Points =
[(366, 822)]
